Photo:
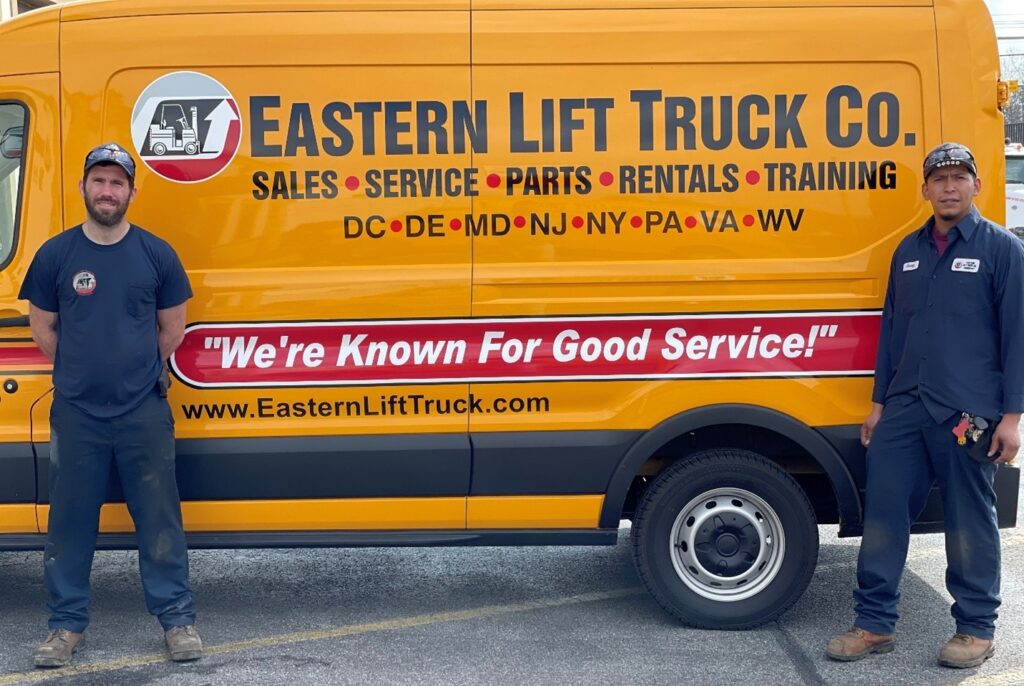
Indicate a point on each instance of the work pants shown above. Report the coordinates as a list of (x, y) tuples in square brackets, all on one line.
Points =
[(82, 449), (909, 451)]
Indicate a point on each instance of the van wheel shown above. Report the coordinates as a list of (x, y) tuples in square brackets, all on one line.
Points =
[(159, 149), (725, 539)]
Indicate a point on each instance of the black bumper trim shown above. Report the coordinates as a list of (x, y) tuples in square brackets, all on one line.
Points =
[(347, 539)]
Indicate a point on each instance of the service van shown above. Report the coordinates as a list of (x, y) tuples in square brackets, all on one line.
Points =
[(504, 271), (1015, 188)]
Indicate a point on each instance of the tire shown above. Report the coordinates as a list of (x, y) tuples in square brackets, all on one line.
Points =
[(725, 539), (191, 148), (159, 149)]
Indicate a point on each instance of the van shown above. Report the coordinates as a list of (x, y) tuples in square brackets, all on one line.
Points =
[(1015, 188), (503, 272)]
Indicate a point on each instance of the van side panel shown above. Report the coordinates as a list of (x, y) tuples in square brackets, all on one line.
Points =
[(648, 149), (264, 240), (409, 172)]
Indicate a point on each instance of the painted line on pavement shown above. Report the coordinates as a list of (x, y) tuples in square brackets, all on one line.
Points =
[(1011, 678), (39, 675)]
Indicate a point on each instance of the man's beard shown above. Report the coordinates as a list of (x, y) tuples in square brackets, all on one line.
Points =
[(950, 215), (108, 218)]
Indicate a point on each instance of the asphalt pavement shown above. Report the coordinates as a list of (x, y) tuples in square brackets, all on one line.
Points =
[(547, 615)]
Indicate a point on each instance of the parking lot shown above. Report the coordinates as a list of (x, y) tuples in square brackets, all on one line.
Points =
[(485, 616)]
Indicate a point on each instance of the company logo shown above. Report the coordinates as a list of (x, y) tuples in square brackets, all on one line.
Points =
[(966, 265), (186, 127), (84, 282)]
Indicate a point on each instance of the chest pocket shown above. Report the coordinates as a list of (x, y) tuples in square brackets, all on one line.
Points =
[(910, 290), (969, 292), (141, 301)]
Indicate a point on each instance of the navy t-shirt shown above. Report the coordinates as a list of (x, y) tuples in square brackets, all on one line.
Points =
[(106, 298)]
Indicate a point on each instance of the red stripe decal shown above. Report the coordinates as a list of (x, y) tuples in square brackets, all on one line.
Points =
[(563, 348), (23, 357)]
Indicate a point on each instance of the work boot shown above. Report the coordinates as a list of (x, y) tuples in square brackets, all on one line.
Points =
[(964, 651), (57, 649), (183, 643), (856, 643)]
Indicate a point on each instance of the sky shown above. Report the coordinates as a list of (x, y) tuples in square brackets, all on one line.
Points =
[(1008, 16)]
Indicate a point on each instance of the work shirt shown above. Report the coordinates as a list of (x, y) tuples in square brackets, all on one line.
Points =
[(106, 298), (953, 324)]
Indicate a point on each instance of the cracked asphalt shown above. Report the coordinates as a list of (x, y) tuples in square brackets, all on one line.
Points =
[(484, 616), (548, 615)]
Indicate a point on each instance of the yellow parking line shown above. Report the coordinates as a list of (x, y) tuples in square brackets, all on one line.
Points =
[(304, 636), (1014, 678)]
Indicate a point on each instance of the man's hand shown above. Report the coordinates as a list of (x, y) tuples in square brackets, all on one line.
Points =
[(868, 427), (1006, 438)]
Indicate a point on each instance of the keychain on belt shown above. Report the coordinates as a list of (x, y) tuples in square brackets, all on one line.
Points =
[(974, 429)]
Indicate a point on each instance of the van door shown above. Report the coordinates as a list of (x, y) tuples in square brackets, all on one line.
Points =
[(29, 213), (319, 227), (686, 165)]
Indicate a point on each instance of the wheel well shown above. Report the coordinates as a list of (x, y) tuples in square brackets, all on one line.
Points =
[(783, 451)]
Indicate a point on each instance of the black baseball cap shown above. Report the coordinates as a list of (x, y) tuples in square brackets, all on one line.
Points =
[(110, 153), (949, 155)]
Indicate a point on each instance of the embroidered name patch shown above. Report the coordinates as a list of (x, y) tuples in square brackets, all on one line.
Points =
[(965, 265), (910, 266)]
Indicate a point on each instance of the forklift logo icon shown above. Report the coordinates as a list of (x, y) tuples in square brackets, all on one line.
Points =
[(186, 127)]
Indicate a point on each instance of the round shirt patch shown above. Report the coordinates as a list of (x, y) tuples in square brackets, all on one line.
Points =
[(84, 282)]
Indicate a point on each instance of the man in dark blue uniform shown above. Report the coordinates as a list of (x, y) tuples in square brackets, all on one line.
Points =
[(947, 402), (107, 305)]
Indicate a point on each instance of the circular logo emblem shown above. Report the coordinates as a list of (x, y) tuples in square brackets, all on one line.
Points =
[(84, 282), (186, 127)]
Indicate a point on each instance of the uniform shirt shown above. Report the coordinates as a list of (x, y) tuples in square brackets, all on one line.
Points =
[(953, 324), (106, 298)]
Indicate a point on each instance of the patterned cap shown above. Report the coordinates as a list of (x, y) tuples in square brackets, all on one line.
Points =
[(110, 153), (949, 155)]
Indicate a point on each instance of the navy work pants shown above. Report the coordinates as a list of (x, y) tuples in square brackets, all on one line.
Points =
[(82, 448), (908, 452)]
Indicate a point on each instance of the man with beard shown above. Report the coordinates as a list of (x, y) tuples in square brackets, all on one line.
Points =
[(947, 402), (107, 305)]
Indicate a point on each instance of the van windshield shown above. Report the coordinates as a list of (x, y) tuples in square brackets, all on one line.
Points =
[(12, 153)]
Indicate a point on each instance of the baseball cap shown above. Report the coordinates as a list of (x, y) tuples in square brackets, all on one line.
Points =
[(110, 153), (949, 155)]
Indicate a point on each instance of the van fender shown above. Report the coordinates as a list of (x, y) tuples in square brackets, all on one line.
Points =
[(843, 485)]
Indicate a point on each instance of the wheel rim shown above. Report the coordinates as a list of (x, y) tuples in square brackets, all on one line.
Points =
[(727, 544)]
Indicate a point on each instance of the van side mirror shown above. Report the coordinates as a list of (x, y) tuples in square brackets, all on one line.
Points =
[(12, 143)]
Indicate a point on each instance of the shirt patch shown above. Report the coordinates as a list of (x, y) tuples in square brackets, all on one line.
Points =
[(911, 266), (84, 282), (966, 265)]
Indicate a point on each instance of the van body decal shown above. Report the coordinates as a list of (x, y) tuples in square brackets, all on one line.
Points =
[(345, 353), (186, 127)]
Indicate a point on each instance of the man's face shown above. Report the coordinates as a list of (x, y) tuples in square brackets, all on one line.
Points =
[(951, 192), (108, 192)]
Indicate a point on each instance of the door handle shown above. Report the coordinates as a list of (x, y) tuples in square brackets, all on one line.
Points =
[(12, 318)]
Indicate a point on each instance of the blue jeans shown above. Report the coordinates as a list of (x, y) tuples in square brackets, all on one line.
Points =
[(909, 451), (82, 447)]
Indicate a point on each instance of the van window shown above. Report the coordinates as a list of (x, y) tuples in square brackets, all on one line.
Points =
[(12, 154)]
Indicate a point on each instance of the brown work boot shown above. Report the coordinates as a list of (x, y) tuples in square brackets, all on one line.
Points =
[(57, 649), (964, 651), (183, 643), (857, 643)]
